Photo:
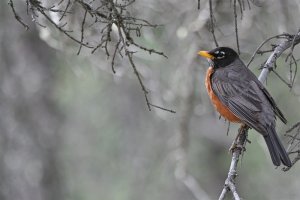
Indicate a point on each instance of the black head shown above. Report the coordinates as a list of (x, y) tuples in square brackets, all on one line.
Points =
[(220, 57)]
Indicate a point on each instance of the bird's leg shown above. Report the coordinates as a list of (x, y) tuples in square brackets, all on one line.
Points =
[(235, 144)]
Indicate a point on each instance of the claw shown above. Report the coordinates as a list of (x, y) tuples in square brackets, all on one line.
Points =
[(235, 144)]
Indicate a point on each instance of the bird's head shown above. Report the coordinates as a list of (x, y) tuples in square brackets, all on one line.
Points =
[(220, 57)]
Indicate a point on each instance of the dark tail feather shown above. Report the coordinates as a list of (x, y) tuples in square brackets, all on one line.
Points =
[(276, 149)]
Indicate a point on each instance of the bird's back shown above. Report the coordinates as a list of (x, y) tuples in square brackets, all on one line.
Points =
[(239, 89)]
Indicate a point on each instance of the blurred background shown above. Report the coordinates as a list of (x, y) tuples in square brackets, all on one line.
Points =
[(73, 130)]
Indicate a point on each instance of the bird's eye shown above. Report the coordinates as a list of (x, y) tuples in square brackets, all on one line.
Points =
[(220, 54)]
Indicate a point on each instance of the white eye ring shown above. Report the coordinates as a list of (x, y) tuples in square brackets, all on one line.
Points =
[(220, 54)]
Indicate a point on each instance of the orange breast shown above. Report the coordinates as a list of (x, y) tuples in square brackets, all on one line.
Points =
[(221, 108)]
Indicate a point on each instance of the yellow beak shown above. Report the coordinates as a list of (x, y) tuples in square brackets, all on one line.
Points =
[(205, 54)]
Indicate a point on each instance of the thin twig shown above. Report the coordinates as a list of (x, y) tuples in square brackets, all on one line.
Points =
[(65, 10), (61, 29), (109, 13), (228, 128), (165, 109), (149, 50), (18, 18), (262, 44), (249, 6), (236, 27), (82, 32), (261, 52), (129, 56), (293, 42), (114, 57), (293, 61), (294, 143), (281, 78), (277, 53), (212, 24), (293, 127), (241, 7)]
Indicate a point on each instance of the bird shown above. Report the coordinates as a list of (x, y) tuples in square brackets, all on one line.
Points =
[(240, 97)]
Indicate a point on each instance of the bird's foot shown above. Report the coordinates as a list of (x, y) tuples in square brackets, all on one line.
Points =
[(235, 146)]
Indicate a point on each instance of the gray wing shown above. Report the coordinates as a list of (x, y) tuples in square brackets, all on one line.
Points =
[(239, 89)]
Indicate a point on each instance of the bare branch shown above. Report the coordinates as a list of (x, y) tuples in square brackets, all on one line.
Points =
[(293, 61), (228, 128), (236, 27), (165, 109), (18, 18), (60, 28), (242, 6), (262, 44), (82, 32), (114, 57), (212, 24), (149, 50), (232, 174), (293, 127), (282, 79), (294, 143), (109, 13), (290, 40), (129, 55), (66, 9)]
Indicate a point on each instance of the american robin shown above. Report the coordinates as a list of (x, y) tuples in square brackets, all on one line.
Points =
[(240, 97)]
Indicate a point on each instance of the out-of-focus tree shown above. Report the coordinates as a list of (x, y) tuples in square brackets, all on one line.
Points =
[(29, 118)]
